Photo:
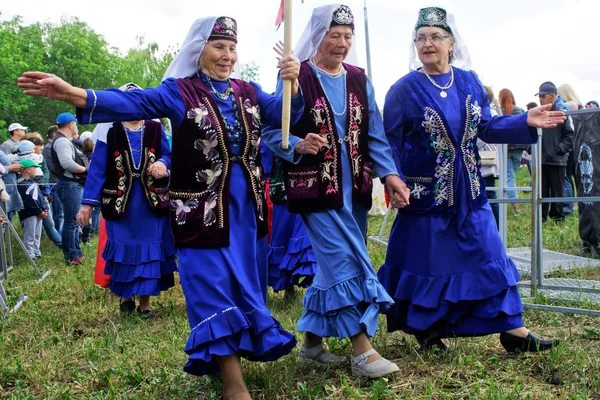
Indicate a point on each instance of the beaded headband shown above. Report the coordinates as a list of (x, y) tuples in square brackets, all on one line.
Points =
[(225, 28), (432, 16)]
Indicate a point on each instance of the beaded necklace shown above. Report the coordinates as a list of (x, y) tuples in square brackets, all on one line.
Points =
[(342, 72), (136, 166), (234, 133)]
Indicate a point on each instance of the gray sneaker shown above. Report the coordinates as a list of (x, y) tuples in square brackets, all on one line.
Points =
[(320, 355), (376, 369)]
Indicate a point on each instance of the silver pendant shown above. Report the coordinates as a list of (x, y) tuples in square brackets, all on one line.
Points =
[(443, 94)]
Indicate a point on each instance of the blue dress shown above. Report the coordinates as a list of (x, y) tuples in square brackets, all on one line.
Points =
[(224, 287), (449, 273), (291, 260), (139, 251), (345, 297)]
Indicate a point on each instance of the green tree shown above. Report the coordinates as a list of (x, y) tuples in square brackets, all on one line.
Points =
[(144, 65)]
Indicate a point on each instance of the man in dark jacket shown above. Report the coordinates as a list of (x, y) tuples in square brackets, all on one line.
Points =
[(556, 144)]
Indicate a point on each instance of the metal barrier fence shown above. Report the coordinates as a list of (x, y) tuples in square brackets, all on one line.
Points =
[(555, 289), (7, 230)]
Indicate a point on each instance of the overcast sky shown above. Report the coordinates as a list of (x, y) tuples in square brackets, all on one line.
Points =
[(515, 44)]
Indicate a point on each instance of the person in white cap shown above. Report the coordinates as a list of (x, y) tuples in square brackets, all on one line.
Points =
[(16, 131)]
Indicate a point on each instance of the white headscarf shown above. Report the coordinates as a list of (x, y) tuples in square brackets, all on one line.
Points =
[(185, 63), (460, 58), (315, 31)]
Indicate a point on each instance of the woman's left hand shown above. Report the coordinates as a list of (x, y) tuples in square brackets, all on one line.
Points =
[(158, 170), (542, 117)]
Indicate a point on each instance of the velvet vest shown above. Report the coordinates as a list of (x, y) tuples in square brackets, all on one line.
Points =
[(120, 172), (429, 153), (201, 165), (315, 183)]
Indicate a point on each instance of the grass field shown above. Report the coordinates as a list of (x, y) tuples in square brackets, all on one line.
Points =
[(69, 342)]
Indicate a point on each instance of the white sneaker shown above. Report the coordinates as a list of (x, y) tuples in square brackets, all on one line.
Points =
[(320, 355), (376, 369)]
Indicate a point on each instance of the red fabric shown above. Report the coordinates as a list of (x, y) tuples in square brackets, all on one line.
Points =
[(100, 278), (387, 198), (269, 213), (280, 14)]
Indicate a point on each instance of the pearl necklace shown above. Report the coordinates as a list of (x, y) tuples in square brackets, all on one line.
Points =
[(342, 72), (442, 88)]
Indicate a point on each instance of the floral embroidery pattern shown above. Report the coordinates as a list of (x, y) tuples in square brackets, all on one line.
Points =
[(208, 146), (183, 209), (200, 116), (328, 167), (211, 176), (446, 154), (468, 146), (150, 159), (416, 190), (209, 214), (356, 115), (254, 110), (122, 182)]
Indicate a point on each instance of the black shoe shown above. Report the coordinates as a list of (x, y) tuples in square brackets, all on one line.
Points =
[(145, 314), (513, 344), (430, 343), (127, 307)]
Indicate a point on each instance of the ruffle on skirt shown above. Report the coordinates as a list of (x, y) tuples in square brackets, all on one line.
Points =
[(295, 264), (256, 335), (477, 302), (139, 269), (344, 309)]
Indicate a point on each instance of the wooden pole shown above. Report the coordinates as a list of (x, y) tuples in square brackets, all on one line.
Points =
[(287, 84)]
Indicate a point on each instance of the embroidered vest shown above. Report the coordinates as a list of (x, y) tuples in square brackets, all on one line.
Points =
[(120, 172), (429, 154), (316, 182), (201, 164)]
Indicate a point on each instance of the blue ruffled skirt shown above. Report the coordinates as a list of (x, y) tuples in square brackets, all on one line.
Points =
[(224, 294), (291, 258), (450, 274), (139, 251)]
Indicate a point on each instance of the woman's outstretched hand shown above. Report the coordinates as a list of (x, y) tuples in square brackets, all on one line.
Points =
[(542, 117), (53, 87), (289, 67)]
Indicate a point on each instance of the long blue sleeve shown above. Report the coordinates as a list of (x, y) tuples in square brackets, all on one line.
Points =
[(270, 107), (92, 193), (115, 105), (165, 149), (393, 124), (507, 129), (271, 135), (379, 147)]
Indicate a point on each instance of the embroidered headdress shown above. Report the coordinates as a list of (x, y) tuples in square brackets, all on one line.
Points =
[(439, 18), (432, 16), (224, 28), (343, 16), (321, 20)]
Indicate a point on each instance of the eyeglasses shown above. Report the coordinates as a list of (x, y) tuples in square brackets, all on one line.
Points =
[(435, 39)]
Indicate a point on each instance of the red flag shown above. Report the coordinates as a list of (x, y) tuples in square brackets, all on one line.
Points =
[(279, 15)]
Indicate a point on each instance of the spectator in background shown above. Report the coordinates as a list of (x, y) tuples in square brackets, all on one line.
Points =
[(591, 104), (16, 131), (56, 205), (515, 151), (531, 105), (71, 166), (489, 166), (568, 95), (35, 208), (556, 144), (30, 148), (12, 167)]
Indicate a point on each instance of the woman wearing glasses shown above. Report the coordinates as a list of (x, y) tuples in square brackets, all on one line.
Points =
[(446, 267)]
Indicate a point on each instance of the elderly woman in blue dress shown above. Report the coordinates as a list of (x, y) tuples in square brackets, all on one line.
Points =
[(218, 208), (331, 188), (446, 267)]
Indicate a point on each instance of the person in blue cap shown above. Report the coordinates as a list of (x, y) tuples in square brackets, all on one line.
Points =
[(71, 166)]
